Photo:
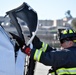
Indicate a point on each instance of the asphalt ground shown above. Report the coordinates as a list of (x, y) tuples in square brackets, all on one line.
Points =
[(41, 69)]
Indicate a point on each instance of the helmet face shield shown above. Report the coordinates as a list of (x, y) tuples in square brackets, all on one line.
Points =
[(65, 40)]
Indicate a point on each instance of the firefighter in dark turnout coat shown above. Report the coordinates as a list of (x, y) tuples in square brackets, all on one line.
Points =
[(63, 61)]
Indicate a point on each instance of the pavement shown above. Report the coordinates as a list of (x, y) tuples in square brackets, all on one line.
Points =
[(41, 69)]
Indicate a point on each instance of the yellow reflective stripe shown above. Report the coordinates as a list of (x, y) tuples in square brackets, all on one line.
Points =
[(44, 47), (74, 40), (37, 55), (53, 73), (70, 31), (66, 71), (43, 44), (65, 31)]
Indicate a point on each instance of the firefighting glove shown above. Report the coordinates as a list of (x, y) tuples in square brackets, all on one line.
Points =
[(24, 48), (37, 43)]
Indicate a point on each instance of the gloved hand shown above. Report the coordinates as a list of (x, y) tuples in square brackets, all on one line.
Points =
[(24, 48), (37, 43)]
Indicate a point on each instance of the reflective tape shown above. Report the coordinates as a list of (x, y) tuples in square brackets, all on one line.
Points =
[(71, 31), (44, 47), (74, 40), (66, 71), (66, 32), (53, 73), (37, 55)]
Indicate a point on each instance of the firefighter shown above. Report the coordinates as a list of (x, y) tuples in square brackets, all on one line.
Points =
[(62, 61)]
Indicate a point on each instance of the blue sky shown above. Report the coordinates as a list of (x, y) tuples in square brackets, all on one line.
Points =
[(46, 9)]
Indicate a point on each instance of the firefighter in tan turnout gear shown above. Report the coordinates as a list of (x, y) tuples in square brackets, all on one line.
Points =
[(63, 61)]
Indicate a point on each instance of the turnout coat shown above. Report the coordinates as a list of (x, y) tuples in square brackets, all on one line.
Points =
[(62, 61)]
